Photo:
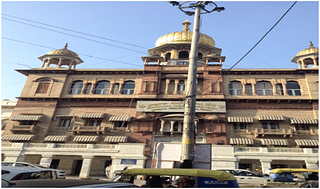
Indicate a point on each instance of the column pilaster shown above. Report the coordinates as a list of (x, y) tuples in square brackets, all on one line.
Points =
[(265, 165), (46, 160), (86, 166)]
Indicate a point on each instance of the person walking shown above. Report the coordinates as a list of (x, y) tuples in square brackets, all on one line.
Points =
[(108, 170)]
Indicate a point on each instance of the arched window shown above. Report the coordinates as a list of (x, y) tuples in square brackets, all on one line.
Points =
[(264, 88), (76, 87), (181, 86), (102, 87), (43, 86), (235, 88), (168, 56), (293, 88), (128, 88), (183, 55)]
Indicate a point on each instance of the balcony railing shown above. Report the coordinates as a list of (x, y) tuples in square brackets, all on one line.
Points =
[(85, 129), (311, 131), (274, 150), (27, 128), (262, 132)]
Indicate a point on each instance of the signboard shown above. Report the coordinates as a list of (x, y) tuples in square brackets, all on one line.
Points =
[(163, 156), (128, 161), (178, 106)]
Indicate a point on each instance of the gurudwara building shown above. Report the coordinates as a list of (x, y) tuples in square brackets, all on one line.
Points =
[(82, 120)]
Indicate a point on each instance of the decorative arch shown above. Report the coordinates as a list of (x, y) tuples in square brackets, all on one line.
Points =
[(128, 87), (76, 87), (183, 55), (264, 88), (293, 88), (102, 87), (235, 88)]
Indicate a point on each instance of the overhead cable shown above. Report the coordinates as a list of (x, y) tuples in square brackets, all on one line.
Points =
[(76, 31)]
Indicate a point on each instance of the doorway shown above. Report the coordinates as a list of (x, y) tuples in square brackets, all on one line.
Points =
[(77, 164)]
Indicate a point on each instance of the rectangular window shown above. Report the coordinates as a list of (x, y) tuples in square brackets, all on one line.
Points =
[(302, 127), (115, 88), (65, 123), (269, 125), (239, 126), (248, 89), (28, 122), (93, 122), (120, 124), (279, 89), (88, 88), (42, 88)]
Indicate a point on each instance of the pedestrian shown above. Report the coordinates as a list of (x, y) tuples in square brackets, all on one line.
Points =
[(108, 170)]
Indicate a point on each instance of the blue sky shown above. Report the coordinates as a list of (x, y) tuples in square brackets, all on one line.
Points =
[(119, 33)]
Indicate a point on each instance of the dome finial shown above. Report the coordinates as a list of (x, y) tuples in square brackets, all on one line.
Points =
[(186, 24), (311, 45), (66, 46)]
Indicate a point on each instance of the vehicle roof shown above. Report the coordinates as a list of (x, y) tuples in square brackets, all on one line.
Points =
[(288, 170), (219, 175), (22, 169), (55, 183), (231, 169)]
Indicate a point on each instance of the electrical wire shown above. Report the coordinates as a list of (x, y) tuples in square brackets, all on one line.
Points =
[(75, 31), (252, 47), (79, 53), (74, 36)]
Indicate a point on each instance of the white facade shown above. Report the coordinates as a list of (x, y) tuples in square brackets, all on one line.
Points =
[(92, 156)]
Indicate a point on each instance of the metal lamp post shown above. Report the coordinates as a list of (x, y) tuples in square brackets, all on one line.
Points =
[(188, 134)]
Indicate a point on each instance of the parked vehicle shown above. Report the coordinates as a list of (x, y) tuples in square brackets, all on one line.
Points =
[(9, 173), (21, 164), (181, 178), (293, 178), (60, 173), (66, 183), (247, 178)]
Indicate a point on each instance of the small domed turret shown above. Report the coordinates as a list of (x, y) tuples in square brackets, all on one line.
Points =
[(308, 56), (60, 57)]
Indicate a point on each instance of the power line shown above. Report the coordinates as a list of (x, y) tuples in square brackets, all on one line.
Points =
[(76, 31), (74, 36), (79, 53), (253, 46)]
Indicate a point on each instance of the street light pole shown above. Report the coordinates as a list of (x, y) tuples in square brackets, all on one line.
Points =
[(188, 134)]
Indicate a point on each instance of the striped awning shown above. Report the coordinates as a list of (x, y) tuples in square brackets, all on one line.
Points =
[(274, 142), (241, 141), (240, 119), (18, 137), (92, 115), (305, 142), (86, 139), (64, 116), (55, 138), (307, 121), (120, 118), (271, 117), (116, 139), (26, 118)]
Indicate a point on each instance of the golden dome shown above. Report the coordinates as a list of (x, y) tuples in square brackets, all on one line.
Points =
[(63, 51), (184, 36), (309, 50)]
